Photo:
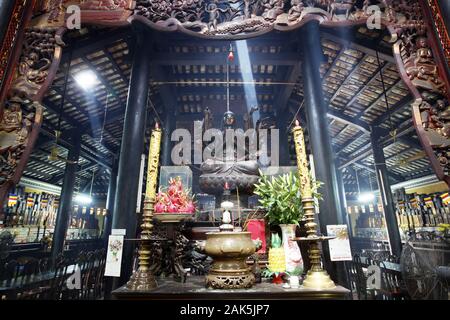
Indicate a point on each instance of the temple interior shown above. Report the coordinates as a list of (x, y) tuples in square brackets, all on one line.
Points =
[(114, 170)]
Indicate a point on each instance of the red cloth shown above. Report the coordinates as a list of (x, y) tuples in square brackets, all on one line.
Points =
[(257, 228)]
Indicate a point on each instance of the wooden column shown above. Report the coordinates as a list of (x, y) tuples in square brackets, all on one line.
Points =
[(386, 195), (320, 140), (6, 10), (110, 201), (445, 11), (125, 216), (65, 202)]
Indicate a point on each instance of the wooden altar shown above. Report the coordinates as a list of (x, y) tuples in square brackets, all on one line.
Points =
[(194, 289)]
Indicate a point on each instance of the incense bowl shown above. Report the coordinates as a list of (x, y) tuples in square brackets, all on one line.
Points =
[(229, 251)]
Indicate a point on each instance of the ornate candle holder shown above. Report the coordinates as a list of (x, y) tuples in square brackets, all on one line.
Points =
[(317, 277), (143, 278)]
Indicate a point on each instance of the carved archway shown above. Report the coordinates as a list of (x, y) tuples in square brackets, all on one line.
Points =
[(419, 60)]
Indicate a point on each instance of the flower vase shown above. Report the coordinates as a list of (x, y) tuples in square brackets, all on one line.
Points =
[(292, 251)]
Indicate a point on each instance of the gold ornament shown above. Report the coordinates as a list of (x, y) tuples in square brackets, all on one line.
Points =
[(317, 277), (142, 278)]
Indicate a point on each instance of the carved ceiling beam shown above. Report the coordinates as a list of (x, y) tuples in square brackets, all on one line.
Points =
[(104, 81), (52, 108), (353, 121), (207, 79), (85, 152), (84, 47), (351, 141), (117, 69), (333, 64), (366, 150), (235, 89), (326, 34), (178, 40), (45, 163), (343, 118), (367, 84), (58, 178), (97, 120), (356, 68), (215, 58), (346, 127), (394, 176), (379, 98), (400, 105)]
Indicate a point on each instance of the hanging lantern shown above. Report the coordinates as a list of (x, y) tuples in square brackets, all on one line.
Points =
[(12, 200), (231, 54)]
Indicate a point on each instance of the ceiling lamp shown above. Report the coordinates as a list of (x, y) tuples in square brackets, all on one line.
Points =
[(86, 79), (366, 197), (83, 199)]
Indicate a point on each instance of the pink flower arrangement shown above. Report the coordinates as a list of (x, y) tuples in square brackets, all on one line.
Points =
[(175, 199)]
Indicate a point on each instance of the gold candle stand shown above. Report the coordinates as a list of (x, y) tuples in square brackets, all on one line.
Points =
[(317, 277), (143, 278)]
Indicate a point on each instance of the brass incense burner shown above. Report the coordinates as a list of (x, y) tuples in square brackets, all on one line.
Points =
[(229, 251)]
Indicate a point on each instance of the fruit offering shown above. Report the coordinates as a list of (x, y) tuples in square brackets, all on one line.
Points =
[(175, 199), (277, 260)]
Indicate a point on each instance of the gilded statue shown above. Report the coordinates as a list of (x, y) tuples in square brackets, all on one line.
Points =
[(442, 115), (421, 68), (12, 116), (296, 10), (272, 9), (33, 71), (103, 4), (14, 132), (443, 110), (35, 62), (341, 5), (437, 131)]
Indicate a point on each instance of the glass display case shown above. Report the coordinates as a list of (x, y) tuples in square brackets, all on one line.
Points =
[(172, 172)]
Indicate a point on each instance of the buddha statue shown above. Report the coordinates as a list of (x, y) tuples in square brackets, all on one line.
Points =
[(421, 68), (12, 116), (238, 172), (443, 110)]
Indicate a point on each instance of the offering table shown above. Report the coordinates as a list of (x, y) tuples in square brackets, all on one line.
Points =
[(194, 289)]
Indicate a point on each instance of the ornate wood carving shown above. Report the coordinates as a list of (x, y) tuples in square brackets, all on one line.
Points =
[(99, 12), (420, 71), (236, 19), (441, 30), (21, 119), (11, 46)]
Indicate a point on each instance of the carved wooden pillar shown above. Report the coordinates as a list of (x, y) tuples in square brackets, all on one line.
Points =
[(6, 10), (110, 200), (131, 150), (320, 140), (65, 203), (386, 194)]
